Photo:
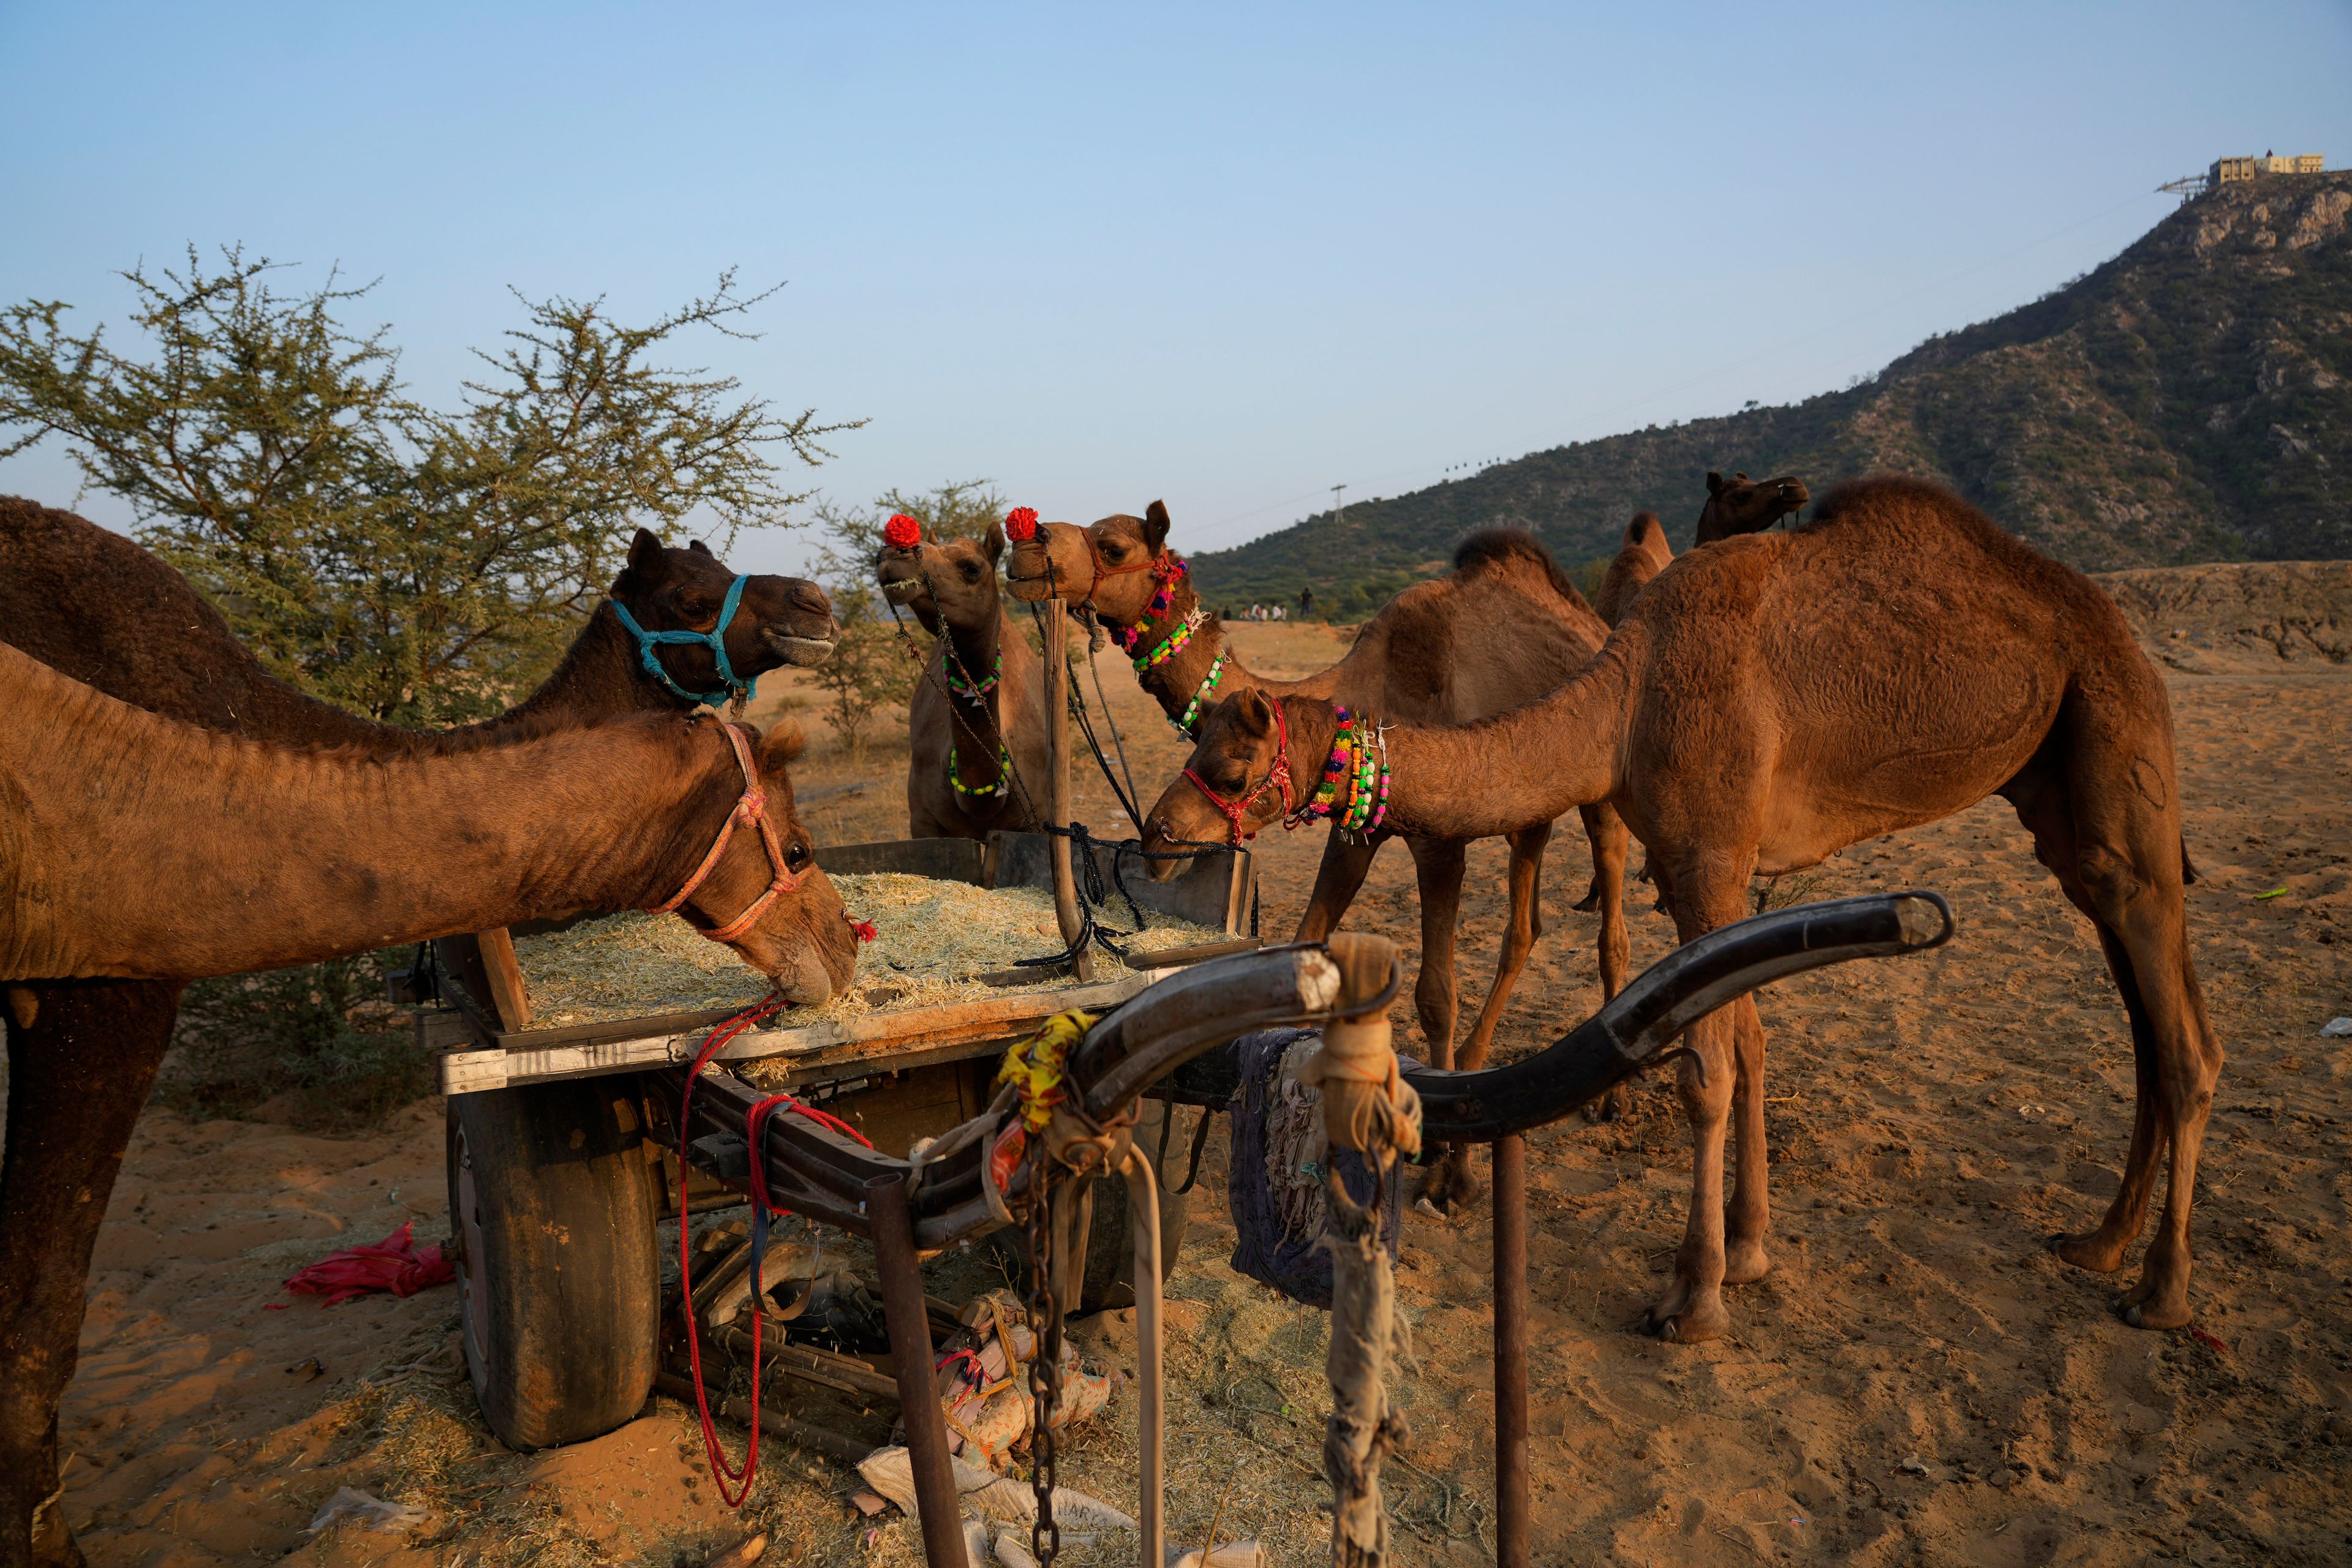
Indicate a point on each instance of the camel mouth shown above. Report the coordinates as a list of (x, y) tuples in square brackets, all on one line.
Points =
[(806, 653), (1028, 589), (902, 590)]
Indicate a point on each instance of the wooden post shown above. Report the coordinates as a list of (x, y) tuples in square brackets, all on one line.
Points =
[(1511, 1537), (892, 1229), (1057, 785)]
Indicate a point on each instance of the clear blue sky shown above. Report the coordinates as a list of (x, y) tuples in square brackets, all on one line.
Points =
[(1224, 255)]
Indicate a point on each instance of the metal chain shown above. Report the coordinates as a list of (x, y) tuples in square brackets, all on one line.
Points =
[(1045, 1359)]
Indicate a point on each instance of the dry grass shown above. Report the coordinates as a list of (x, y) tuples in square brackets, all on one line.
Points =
[(931, 938)]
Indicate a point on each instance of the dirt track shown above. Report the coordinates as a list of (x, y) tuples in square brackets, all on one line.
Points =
[(1931, 1121)]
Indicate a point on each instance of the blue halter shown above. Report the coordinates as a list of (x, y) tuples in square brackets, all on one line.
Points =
[(715, 640)]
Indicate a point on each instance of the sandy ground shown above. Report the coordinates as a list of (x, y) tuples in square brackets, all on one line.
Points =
[(1917, 1381)]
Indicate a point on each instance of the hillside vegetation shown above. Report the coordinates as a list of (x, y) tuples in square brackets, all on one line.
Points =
[(2188, 401)]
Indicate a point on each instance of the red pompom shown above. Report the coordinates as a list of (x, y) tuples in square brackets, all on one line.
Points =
[(902, 533), (865, 929), (1021, 524)]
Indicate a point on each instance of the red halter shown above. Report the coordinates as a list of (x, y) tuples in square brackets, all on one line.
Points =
[(751, 810), (1277, 778), (1103, 568)]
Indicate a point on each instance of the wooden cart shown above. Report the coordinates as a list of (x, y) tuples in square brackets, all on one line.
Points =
[(562, 1152)]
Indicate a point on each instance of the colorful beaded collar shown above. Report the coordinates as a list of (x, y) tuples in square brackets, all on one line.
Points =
[(984, 792)]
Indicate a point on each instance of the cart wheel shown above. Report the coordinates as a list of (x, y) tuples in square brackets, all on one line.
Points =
[(558, 1272)]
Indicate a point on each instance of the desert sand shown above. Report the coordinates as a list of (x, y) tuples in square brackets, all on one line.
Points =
[(1917, 1381)]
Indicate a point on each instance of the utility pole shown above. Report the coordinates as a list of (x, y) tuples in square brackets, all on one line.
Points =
[(1339, 514)]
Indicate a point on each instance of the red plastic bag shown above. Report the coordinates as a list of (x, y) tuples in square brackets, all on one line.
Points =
[(394, 1264)]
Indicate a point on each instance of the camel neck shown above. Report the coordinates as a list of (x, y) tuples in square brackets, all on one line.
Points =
[(971, 665), (1176, 679), (1504, 774), (600, 676), (307, 854)]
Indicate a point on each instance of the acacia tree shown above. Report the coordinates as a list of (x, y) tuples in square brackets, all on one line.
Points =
[(415, 565), (874, 664)]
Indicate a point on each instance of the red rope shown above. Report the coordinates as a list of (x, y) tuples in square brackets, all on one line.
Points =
[(722, 1474)]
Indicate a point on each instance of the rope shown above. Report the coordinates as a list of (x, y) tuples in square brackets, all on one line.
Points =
[(1095, 666), (723, 1475)]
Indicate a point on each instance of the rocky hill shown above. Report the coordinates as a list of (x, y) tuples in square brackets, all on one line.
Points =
[(2190, 400)]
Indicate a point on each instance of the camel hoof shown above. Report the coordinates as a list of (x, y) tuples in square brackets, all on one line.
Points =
[(1587, 904), (1610, 1107), (1745, 1265), (2144, 1315)]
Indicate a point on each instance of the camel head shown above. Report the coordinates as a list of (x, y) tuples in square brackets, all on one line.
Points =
[(955, 579), (777, 620), (1106, 565), (899, 571), (802, 940), (1742, 505), (1235, 760)]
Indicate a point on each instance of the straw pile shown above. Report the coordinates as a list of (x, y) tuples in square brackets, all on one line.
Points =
[(932, 938)]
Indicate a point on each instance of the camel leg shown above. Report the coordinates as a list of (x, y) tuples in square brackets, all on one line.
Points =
[(76, 1078), (1439, 864), (1604, 830), (1346, 863), (2127, 863), (1518, 939), (1749, 1215), (1692, 1309)]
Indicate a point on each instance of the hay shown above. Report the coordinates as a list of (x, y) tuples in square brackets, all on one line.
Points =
[(933, 937)]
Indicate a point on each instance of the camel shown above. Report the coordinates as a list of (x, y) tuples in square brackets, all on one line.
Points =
[(1768, 701), (318, 850), (1505, 626), (1734, 505), (83, 1055), (980, 700)]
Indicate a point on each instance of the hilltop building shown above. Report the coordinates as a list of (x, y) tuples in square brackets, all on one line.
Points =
[(2230, 171)]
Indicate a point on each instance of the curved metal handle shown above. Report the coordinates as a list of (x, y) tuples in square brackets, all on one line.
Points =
[(1667, 998)]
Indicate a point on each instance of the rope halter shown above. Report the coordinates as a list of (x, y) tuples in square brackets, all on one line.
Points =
[(715, 640), (1277, 777), (751, 810)]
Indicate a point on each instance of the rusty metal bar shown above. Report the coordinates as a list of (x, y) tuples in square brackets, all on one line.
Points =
[(892, 1227), (1511, 1352)]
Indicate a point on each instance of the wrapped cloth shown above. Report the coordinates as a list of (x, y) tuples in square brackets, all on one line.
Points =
[(1279, 1152)]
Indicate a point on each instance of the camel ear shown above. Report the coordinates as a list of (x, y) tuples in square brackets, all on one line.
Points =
[(782, 745), (1254, 713), (1713, 483), (1155, 526), (697, 545), (645, 554), (1739, 478), (992, 544)]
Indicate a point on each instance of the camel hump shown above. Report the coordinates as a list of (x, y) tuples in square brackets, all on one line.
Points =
[(1889, 492), (1504, 546), (1646, 533)]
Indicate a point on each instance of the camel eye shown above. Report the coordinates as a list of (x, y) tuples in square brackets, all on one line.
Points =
[(795, 857), (970, 573)]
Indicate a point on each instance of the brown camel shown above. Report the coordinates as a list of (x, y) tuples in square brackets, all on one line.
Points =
[(142, 848), (95, 606), (1772, 698), (1739, 505), (980, 700), (1505, 626)]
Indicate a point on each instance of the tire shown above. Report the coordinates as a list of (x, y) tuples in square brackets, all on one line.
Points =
[(558, 1271)]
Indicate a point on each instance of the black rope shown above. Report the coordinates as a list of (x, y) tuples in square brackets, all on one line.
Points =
[(1111, 722)]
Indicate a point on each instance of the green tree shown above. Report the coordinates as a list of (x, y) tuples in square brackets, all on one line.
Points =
[(414, 564)]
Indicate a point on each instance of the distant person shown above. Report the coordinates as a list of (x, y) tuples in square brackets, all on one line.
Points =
[(1305, 601)]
